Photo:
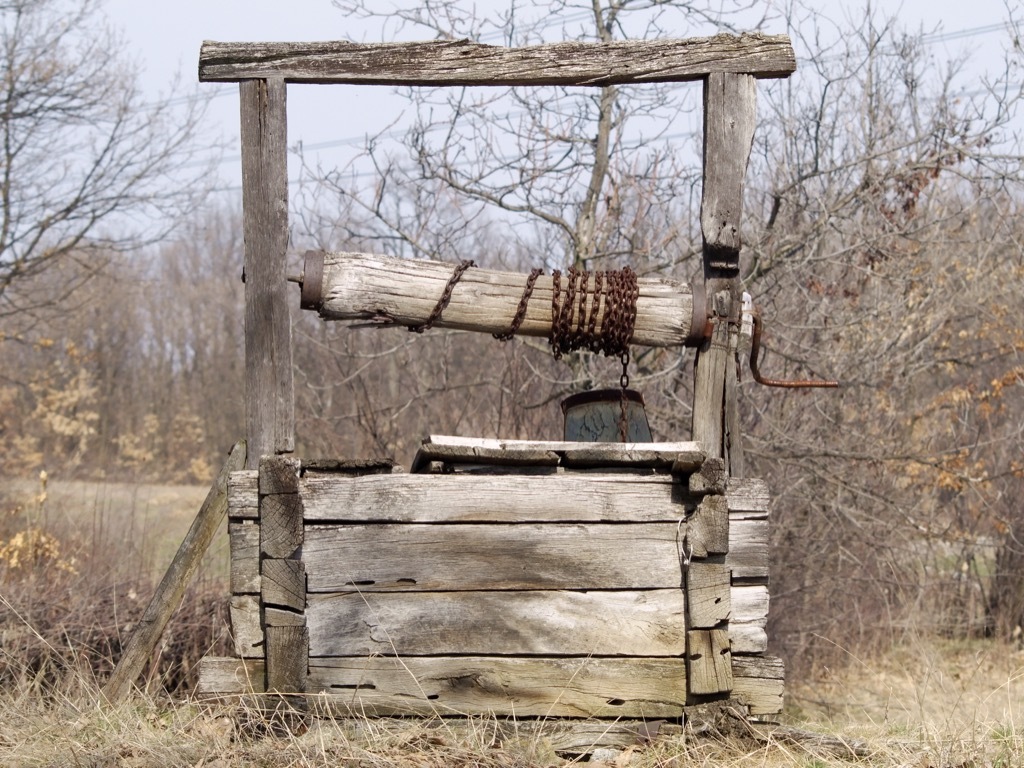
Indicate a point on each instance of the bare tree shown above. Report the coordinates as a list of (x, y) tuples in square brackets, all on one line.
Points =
[(86, 166)]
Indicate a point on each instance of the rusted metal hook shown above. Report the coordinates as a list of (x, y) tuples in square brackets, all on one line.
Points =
[(755, 349)]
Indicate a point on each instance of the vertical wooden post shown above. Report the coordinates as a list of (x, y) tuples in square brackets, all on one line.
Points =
[(282, 577), (729, 115), (269, 395)]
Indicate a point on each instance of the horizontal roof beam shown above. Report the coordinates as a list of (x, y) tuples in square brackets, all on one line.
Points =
[(461, 62)]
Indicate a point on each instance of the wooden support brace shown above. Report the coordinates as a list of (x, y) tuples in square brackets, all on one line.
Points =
[(172, 587)]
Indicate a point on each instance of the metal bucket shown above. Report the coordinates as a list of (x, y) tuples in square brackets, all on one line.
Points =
[(596, 417)]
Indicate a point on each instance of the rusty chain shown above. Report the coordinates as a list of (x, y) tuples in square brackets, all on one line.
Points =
[(620, 291), (446, 297), (517, 319)]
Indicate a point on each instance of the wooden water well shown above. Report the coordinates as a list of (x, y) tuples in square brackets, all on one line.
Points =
[(527, 578), (625, 581)]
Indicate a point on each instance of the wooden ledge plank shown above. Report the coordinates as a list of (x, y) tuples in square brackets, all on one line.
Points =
[(461, 62), (460, 556), (532, 623), (478, 450), (527, 687)]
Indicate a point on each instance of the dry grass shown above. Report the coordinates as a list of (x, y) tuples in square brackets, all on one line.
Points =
[(930, 703)]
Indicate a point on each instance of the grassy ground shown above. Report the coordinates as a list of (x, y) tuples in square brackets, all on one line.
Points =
[(930, 703)]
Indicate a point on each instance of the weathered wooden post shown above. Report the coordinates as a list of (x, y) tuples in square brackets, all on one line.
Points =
[(269, 395), (729, 115)]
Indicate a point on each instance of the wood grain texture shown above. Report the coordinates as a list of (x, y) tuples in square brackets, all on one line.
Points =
[(269, 392), (283, 584), (244, 543), (279, 474), (749, 498), (390, 291), (246, 629), (477, 450), (461, 62), (243, 495), (287, 658), (707, 531), (649, 623), (709, 382), (730, 105), (711, 477), (759, 683), (709, 662), (523, 556), (708, 594), (453, 498), (280, 525), (534, 687), (221, 677)]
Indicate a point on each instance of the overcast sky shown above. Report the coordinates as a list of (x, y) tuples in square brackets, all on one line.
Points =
[(165, 38)]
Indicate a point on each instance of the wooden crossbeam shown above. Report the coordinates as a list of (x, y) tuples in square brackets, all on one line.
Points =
[(461, 62)]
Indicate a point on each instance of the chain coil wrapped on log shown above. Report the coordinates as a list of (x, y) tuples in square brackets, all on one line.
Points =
[(388, 291)]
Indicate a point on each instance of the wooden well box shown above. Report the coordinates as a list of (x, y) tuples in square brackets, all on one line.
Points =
[(534, 579)]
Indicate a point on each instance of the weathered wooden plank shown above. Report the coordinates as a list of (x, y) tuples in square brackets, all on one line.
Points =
[(287, 658), (279, 474), (759, 683), (748, 498), (708, 594), (284, 584), (523, 556), (709, 662), (533, 687), (647, 623), (388, 291), (372, 466), (243, 495), (730, 104), (711, 477), (278, 617), (477, 450), (221, 676), (749, 556), (733, 439), (280, 525), (558, 497), (708, 529), (269, 392), (244, 540), (748, 619), (709, 382), (246, 629), (473, 498), (461, 62)]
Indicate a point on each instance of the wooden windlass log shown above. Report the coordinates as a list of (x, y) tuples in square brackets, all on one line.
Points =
[(387, 291)]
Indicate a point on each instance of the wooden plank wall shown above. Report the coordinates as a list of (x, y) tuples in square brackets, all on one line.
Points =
[(557, 594)]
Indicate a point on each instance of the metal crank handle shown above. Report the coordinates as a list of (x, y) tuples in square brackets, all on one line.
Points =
[(755, 349)]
